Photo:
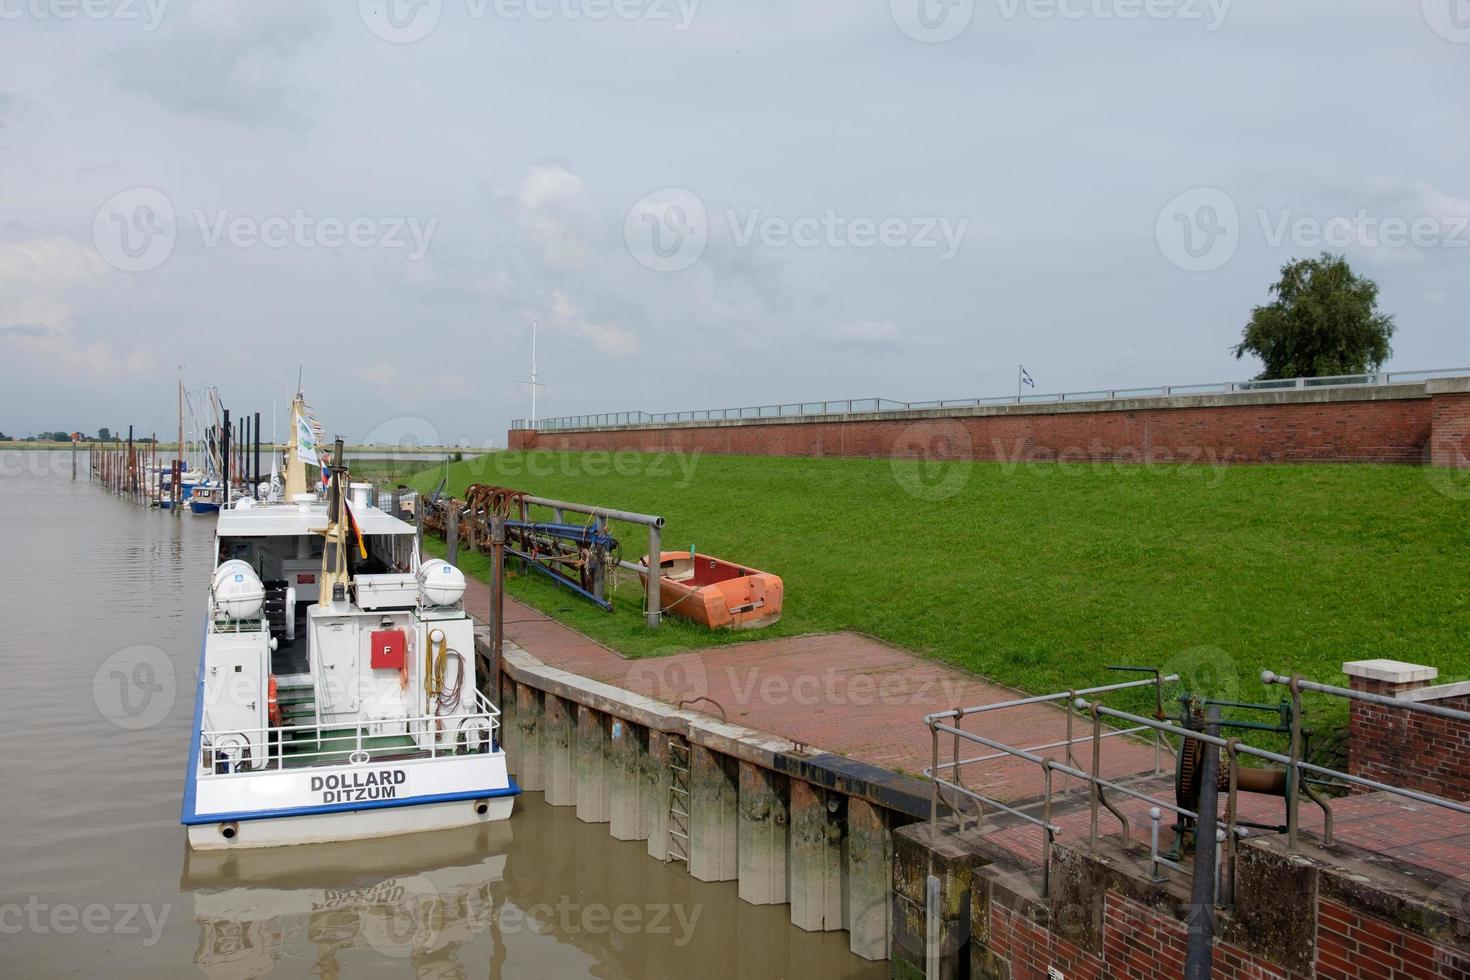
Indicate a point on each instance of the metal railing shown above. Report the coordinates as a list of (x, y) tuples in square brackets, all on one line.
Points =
[(1298, 771), (1064, 700), (433, 736), (852, 406)]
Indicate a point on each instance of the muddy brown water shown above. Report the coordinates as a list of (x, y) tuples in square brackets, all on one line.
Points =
[(101, 610)]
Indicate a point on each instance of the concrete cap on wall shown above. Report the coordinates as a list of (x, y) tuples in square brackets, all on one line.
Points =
[(1447, 386), (1390, 671)]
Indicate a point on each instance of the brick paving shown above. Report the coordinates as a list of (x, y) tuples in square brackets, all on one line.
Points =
[(842, 693), (855, 696)]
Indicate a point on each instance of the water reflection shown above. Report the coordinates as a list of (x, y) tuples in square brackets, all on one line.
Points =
[(540, 895), (420, 899)]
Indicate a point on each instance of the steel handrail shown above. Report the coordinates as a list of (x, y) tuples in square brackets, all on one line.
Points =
[(1094, 394), (1270, 677), (1296, 684), (981, 709), (417, 727), (1297, 768), (1292, 763), (935, 722)]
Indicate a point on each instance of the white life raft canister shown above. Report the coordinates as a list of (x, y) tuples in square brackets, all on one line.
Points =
[(440, 583), (237, 591)]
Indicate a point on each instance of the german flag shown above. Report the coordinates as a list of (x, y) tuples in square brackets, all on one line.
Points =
[(356, 531)]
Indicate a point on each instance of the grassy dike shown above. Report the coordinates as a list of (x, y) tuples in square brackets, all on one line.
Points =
[(1039, 575)]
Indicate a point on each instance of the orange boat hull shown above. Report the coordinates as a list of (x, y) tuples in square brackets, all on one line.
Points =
[(717, 593)]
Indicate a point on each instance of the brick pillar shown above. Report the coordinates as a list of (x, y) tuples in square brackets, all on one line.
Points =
[(1379, 742), (1449, 435)]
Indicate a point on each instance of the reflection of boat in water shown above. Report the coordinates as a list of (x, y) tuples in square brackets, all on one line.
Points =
[(717, 593), (422, 899), (337, 695)]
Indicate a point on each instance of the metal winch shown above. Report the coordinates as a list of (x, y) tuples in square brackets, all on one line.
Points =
[(1195, 715)]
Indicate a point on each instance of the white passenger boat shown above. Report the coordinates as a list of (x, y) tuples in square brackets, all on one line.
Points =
[(337, 695)]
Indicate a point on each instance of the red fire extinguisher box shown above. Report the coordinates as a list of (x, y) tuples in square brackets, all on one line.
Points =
[(388, 649)]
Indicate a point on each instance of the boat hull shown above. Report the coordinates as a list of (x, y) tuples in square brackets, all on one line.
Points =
[(350, 825), (202, 507), (718, 594)]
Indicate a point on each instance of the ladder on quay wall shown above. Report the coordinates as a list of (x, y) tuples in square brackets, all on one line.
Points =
[(679, 799)]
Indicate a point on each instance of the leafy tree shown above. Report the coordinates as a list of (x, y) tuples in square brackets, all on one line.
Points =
[(1324, 322), (104, 434)]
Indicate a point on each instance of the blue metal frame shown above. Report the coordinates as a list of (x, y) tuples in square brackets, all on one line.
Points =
[(535, 565)]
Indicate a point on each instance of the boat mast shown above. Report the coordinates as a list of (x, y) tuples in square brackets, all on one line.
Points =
[(295, 465), (334, 554)]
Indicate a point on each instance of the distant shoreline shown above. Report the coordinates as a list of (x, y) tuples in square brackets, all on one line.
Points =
[(18, 444)]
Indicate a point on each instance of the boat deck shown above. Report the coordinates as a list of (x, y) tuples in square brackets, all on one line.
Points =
[(304, 752)]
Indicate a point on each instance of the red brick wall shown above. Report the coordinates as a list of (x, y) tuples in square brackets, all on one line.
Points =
[(1395, 430), (1414, 751), (1351, 946), (1451, 422), (1140, 945), (1137, 944)]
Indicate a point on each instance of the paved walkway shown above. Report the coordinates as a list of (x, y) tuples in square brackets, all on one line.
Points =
[(840, 692), (855, 696)]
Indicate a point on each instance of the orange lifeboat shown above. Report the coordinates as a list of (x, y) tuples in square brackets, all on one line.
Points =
[(716, 593)]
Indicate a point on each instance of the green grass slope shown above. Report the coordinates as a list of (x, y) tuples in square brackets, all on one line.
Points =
[(1041, 575)]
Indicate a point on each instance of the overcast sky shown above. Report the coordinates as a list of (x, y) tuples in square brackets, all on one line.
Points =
[(705, 204)]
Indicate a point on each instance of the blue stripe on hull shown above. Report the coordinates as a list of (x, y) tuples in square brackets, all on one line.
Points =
[(193, 819)]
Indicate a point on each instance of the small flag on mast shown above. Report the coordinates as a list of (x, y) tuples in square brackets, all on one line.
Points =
[(1026, 378), (356, 531)]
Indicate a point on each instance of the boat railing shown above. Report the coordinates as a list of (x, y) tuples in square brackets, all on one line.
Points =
[(232, 751)]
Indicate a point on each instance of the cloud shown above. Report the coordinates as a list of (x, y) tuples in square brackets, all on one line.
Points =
[(411, 386), (869, 334), (41, 282), (223, 58), (609, 338), (552, 210), (23, 330), (10, 107), (1437, 204)]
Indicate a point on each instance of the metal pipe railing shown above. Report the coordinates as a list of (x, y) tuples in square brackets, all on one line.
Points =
[(1269, 677), (1297, 769), (342, 747), (936, 724), (1295, 765), (877, 405)]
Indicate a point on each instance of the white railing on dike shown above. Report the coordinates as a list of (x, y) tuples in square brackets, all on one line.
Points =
[(433, 736), (869, 406)]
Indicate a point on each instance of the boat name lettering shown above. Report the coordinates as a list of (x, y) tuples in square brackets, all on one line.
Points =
[(359, 787)]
